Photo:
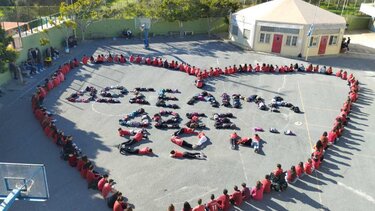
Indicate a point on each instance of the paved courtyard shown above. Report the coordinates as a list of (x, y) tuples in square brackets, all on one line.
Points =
[(152, 183)]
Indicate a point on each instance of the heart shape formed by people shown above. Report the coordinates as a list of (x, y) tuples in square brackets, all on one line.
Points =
[(209, 76)]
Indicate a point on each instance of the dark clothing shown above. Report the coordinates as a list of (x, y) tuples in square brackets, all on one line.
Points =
[(187, 145), (128, 150), (191, 155)]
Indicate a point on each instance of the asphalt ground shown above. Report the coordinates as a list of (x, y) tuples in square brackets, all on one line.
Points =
[(152, 183)]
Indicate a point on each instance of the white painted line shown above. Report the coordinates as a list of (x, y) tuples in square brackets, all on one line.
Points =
[(358, 192), (243, 167), (304, 115), (199, 196), (325, 109), (283, 85), (104, 114)]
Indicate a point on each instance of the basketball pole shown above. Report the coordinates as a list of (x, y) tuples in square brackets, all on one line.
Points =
[(9, 200), (15, 193)]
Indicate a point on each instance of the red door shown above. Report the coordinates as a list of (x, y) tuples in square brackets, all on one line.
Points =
[(277, 42), (323, 45)]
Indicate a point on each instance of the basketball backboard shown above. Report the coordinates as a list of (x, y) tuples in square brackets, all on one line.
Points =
[(31, 179)]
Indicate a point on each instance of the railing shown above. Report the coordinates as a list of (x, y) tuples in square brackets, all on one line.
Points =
[(34, 26)]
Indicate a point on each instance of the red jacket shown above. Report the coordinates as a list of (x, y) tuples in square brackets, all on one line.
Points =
[(223, 201), (236, 197), (266, 185), (101, 183), (144, 151), (138, 136), (308, 168), (178, 154), (177, 140)]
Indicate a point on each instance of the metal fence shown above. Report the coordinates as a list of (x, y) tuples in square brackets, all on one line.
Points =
[(33, 26)]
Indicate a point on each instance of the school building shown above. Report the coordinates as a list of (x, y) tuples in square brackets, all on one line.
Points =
[(288, 27)]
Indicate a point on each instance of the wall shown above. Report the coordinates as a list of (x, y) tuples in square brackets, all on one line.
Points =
[(357, 22), (55, 35), (4, 77), (242, 24), (330, 49), (285, 50), (113, 27)]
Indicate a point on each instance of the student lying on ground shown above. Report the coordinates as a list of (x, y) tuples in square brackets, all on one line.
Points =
[(188, 155), (132, 151)]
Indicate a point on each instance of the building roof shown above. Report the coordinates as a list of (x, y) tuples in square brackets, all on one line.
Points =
[(291, 11)]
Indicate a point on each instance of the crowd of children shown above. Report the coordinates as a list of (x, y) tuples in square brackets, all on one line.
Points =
[(69, 150), (277, 180)]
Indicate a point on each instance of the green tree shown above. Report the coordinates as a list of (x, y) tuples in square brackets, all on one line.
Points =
[(7, 53), (179, 10), (66, 26), (217, 8), (85, 12)]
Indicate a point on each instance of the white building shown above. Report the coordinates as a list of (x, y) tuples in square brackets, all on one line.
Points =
[(282, 26)]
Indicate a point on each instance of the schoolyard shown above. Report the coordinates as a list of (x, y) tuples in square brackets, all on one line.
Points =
[(152, 183)]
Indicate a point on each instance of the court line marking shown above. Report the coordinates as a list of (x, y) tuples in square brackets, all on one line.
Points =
[(283, 85), (308, 133), (243, 167), (358, 192), (199, 196), (304, 114), (319, 108)]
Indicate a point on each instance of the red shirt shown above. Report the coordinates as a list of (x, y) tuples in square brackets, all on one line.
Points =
[(56, 82), (72, 161), (213, 205), (144, 151), (50, 85), (223, 201), (178, 154), (257, 194), (138, 136), (85, 59), (188, 130), (289, 176), (177, 141), (124, 132), (266, 185), (80, 164), (43, 92), (243, 140), (233, 136), (101, 183), (90, 176), (299, 170), (237, 197), (199, 208), (308, 168), (106, 189), (277, 172), (118, 206), (332, 136)]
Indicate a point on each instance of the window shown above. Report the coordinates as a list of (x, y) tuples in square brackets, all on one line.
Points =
[(332, 40), (268, 37), (246, 33), (264, 38), (291, 40), (313, 41), (294, 40), (234, 30)]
